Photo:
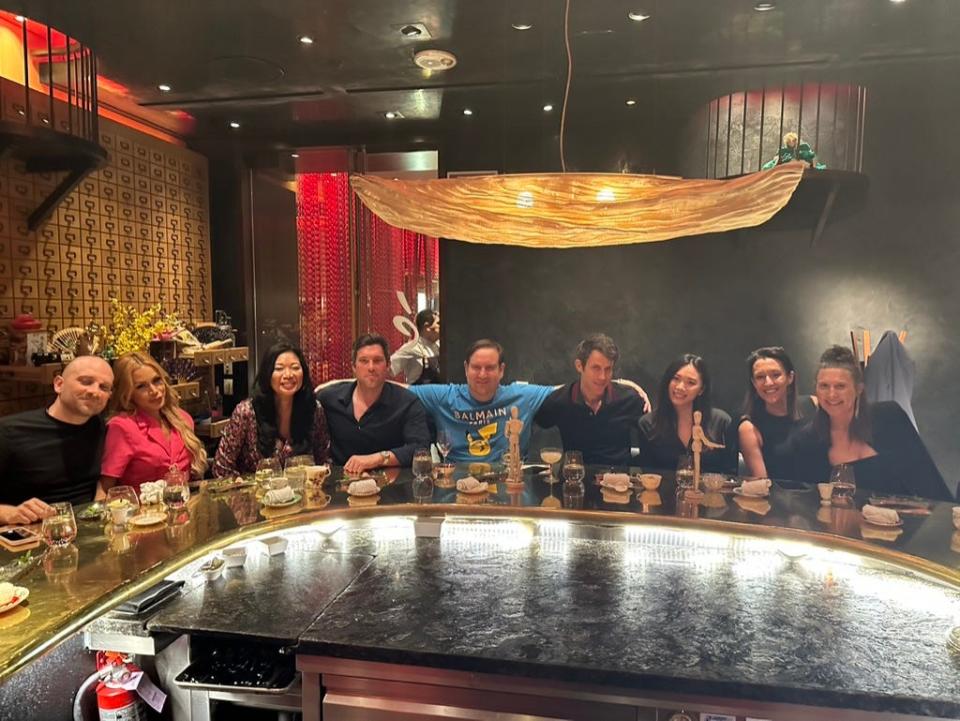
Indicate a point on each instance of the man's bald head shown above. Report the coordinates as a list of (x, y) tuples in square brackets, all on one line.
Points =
[(83, 389)]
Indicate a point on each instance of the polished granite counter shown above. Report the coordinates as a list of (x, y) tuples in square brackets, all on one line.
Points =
[(631, 590)]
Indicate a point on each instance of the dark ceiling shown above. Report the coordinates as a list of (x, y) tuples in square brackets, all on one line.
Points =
[(242, 60)]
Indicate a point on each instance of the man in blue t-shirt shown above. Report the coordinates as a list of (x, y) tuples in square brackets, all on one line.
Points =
[(474, 415)]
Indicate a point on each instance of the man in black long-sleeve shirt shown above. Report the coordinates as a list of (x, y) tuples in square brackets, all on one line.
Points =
[(595, 414), (372, 423)]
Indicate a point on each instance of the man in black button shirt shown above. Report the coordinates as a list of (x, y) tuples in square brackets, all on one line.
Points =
[(372, 423), (53, 454), (595, 414)]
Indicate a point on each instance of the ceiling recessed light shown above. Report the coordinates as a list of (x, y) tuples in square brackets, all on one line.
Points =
[(411, 31), (467, 111), (19, 18), (631, 102), (762, 7), (294, 155), (521, 26), (898, 2), (638, 16), (164, 88), (392, 114), (234, 124), (547, 108), (433, 59), (305, 40)]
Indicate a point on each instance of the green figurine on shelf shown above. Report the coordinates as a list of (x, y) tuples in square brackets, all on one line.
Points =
[(792, 149)]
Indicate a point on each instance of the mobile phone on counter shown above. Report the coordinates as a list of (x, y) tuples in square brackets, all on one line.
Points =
[(18, 537)]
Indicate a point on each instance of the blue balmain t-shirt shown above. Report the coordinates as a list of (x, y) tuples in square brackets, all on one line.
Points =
[(477, 429)]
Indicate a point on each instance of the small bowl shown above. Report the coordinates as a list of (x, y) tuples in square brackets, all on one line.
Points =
[(826, 491), (713, 482), (650, 481), (275, 544), (445, 470), (234, 556), (213, 568)]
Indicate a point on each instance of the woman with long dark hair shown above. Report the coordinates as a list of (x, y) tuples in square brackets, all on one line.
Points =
[(771, 410), (877, 441), (666, 431), (280, 419)]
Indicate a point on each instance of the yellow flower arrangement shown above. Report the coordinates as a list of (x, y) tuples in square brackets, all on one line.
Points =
[(132, 330)]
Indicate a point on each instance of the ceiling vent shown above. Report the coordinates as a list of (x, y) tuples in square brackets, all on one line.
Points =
[(434, 60)]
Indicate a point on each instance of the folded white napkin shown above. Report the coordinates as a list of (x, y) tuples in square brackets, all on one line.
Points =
[(759, 487), (881, 516), (279, 495), (152, 492), (469, 484), (616, 481), (367, 485)]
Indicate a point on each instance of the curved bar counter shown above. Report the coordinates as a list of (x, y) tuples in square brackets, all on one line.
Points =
[(780, 602)]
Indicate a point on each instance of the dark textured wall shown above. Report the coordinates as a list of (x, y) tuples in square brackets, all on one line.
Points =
[(892, 263)]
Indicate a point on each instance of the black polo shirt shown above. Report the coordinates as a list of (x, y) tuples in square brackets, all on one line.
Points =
[(603, 437), (396, 423)]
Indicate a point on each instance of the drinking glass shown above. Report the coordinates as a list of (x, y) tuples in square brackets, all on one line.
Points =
[(422, 463), (295, 469), (444, 444), (423, 488), (573, 470), (177, 491), (60, 527), (685, 471), (122, 505), (551, 456), (267, 468), (844, 485)]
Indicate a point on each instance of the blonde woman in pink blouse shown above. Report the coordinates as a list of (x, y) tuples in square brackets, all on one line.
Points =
[(148, 432)]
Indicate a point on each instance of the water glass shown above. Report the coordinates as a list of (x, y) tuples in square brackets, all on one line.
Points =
[(267, 468), (423, 489), (685, 471), (60, 527), (844, 485), (551, 456), (177, 491), (60, 562), (122, 505), (573, 469), (422, 463)]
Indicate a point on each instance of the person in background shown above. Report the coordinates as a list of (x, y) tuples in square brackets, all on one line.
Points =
[(372, 423), (53, 454), (280, 419), (595, 415), (419, 359), (148, 432), (877, 441), (771, 411), (665, 433)]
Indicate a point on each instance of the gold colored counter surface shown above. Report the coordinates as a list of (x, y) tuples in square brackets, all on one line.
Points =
[(104, 568)]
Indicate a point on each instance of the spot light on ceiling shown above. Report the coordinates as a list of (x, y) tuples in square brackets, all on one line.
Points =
[(631, 102), (467, 111), (234, 124), (638, 16), (392, 114), (305, 40), (762, 7), (547, 108), (434, 60), (294, 155), (164, 88), (521, 26)]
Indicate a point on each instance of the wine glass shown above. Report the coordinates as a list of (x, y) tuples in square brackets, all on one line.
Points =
[(176, 492), (60, 527), (122, 505), (444, 444), (267, 468), (551, 456), (844, 485), (573, 470)]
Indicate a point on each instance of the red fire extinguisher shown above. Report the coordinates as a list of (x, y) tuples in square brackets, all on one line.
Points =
[(115, 703)]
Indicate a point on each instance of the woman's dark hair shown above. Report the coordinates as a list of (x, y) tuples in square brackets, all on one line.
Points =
[(753, 404), (264, 406), (836, 356), (664, 414)]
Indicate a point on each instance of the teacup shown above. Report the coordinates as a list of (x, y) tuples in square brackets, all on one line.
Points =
[(650, 481), (826, 491)]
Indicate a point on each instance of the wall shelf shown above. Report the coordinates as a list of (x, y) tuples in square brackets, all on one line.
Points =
[(187, 391), (213, 429), (219, 356)]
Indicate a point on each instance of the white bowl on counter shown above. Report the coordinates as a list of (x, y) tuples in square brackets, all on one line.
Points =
[(275, 544), (235, 556)]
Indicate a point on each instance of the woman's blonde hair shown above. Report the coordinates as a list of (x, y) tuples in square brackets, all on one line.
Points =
[(121, 402)]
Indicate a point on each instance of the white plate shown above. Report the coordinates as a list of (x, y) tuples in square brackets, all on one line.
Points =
[(739, 491), (362, 494), (20, 595), (883, 525), (283, 504), (482, 488), (149, 519)]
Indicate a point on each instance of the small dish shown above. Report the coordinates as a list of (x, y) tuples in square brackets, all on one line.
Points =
[(234, 556), (650, 481), (19, 596), (283, 504), (151, 518), (93, 512), (213, 568), (275, 544)]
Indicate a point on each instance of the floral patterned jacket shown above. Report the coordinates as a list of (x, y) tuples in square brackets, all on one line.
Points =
[(239, 451)]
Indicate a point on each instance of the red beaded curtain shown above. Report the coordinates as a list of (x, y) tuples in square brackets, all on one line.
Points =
[(323, 233), (393, 259), (387, 259)]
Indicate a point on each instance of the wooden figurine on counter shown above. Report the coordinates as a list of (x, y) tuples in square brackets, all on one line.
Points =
[(513, 428), (699, 440)]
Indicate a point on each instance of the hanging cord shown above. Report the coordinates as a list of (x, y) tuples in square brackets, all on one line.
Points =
[(566, 91)]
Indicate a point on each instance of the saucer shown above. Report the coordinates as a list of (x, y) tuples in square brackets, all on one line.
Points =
[(19, 596), (148, 519), (283, 504), (882, 525)]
